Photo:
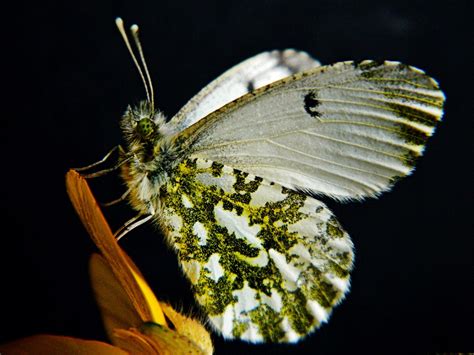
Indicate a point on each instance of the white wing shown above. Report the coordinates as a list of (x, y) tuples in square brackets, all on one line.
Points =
[(247, 76), (348, 130)]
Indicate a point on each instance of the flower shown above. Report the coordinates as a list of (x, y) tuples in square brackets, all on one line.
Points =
[(135, 321)]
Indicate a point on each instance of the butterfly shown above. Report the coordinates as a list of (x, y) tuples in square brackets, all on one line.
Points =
[(232, 179)]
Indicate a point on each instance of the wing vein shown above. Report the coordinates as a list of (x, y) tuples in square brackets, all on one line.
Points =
[(384, 108), (350, 143), (392, 94), (319, 168)]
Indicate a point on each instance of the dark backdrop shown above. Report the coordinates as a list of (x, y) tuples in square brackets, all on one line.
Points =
[(69, 79)]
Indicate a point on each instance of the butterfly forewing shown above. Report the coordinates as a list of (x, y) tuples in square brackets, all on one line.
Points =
[(251, 74), (348, 130), (266, 263)]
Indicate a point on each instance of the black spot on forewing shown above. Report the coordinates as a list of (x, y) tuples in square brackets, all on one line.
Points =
[(311, 104), (250, 86)]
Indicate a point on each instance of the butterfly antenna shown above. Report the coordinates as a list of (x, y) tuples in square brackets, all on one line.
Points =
[(119, 23), (134, 30)]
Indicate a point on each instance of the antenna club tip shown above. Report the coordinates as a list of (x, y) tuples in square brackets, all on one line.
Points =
[(134, 27), (118, 20)]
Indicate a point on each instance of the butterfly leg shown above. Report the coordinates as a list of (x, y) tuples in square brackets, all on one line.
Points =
[(118, 200), (104, 159), (131, 224)]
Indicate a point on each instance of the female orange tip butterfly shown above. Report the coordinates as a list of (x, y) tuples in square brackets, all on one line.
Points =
[(231, 179)]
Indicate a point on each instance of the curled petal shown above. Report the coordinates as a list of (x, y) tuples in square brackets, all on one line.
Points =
[(122, 267), (53, 344)]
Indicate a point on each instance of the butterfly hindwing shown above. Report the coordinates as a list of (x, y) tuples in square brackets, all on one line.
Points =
[(266, 263)]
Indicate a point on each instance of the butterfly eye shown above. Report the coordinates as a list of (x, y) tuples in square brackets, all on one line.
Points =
[(145, 127)]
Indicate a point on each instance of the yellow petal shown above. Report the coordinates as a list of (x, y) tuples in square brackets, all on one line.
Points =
[(115, 306), (155, 339), (121, 290), (52, 345), (157, 315), (125, 271), (189, 328), (134, 342)]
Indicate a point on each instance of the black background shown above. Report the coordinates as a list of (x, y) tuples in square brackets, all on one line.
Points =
[(69, 78)]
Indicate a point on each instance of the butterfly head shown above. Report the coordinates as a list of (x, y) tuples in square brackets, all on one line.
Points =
[(145, 127), (142, 124)]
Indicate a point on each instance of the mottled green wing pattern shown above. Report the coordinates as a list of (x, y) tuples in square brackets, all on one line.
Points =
[(266, 263)]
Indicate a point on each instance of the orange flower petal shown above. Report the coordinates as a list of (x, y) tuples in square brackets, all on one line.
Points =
[(125, 271), (52, 345), (156, 339), (115, 306), (134, 342)]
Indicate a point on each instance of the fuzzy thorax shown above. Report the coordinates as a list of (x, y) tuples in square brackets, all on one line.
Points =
[(151, 154)]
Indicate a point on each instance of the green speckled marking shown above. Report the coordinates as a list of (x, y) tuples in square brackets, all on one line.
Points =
[(367, 65), (412, 135), (239, 328), (241, 186), (269, 323), (410, 158), (413, 114), (411, 95), (405, 82), (216, 169), (296, 311), (274, 220), (334, 228)]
